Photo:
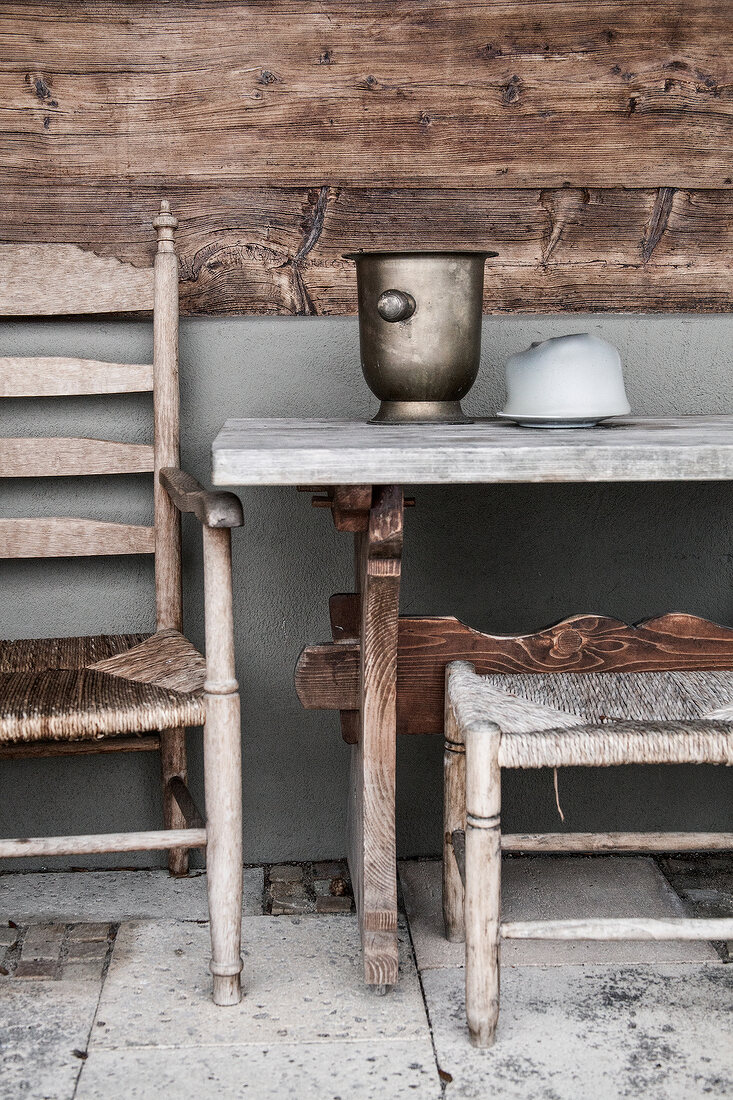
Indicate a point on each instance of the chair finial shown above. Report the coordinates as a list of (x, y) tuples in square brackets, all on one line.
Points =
[(165, 223)]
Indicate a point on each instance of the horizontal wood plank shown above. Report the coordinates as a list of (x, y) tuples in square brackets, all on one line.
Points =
[(327, 676), (71, 457), (43, 279), (61, 537), (56, 376), (290, 451), (274, 250), (479, 93)]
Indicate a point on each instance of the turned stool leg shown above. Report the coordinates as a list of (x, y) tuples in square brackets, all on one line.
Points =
[(454, 818), (222, 772), (483, 881)]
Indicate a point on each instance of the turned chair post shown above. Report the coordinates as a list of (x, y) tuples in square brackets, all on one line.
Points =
[(166, 404), (223, 770), (168, 590)]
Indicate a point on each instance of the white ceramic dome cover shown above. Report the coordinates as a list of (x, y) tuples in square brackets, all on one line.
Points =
[(566, 376)]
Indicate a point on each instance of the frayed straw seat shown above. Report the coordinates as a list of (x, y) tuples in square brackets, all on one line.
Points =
[(558, 719), (566, 719), (104, 685)]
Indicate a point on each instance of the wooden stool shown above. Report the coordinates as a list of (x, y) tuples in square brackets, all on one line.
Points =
[(538, 720)]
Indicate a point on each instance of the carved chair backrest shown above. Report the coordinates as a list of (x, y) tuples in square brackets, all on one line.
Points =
[(43, 280)]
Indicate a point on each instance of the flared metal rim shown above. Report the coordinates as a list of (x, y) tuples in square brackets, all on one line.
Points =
[(401, 252)]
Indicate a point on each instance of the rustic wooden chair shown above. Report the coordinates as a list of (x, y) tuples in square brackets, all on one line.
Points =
[(127, 691), (590, 714)]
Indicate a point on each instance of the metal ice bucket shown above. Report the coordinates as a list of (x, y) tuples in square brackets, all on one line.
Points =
[(420, 331)]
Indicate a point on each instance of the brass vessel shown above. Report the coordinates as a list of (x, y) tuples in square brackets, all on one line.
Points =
[(420, 331)]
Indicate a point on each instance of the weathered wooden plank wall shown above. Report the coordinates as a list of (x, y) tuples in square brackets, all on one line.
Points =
[(589, 141)]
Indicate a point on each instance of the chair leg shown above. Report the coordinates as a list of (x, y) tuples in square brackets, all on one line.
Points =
[(223, 781), (454, 817), (483, 881), (173, 763)]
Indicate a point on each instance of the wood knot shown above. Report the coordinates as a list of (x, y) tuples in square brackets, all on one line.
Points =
[(40, 86), (566, 643), (511, 91)]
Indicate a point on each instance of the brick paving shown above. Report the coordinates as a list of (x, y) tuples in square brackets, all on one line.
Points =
[(56, 952), (296, 889)]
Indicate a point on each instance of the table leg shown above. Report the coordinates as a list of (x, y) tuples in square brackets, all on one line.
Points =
[(371, 822)]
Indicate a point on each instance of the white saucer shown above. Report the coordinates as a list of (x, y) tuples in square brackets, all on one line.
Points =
[(555, 421)]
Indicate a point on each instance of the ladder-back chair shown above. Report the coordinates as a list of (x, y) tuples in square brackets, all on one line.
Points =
[(127, 691)]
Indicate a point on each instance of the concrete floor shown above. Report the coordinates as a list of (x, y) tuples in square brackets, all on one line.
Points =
[(104, 992)]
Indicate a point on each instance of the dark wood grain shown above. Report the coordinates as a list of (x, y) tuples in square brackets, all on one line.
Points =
[(589, 142), (371, 807), (326, 674), (345, 614), (274, 250), (479, 93), (349, 506)]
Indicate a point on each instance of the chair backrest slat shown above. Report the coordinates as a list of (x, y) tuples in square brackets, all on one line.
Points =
[(62, 537), (37, 280), (49, 279), (72, 457), (54, 376)]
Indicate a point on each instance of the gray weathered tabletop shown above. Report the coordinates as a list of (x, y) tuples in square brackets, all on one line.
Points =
[(282, 451)]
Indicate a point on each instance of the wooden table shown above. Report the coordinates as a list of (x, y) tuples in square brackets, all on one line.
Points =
[(360, 468)]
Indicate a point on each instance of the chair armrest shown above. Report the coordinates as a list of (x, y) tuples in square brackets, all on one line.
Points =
[(213, 509)]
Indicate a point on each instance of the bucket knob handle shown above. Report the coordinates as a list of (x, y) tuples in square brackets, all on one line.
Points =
[(395, 305)]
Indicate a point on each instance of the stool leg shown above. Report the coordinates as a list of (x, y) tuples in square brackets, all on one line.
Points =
[(454, 817), (483, 881)]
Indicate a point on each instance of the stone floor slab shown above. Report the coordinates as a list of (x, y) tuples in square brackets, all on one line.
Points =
[(94, 896), (539, 888), (303, 979), (41, 1025), (382, 1070), (8, 935), (658, 1032)]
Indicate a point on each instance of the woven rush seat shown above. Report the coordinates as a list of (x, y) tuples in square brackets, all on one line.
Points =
[(86, 688), (602, 718)]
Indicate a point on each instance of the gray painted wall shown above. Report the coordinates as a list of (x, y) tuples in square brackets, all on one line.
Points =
[(503, 559)]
